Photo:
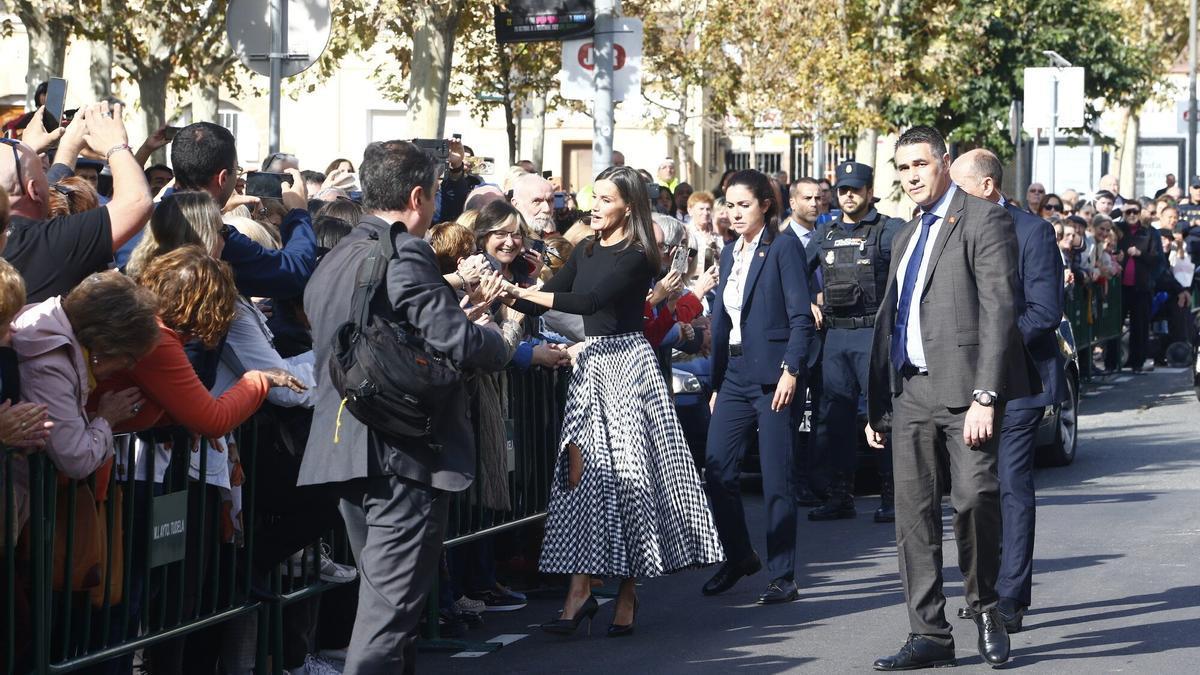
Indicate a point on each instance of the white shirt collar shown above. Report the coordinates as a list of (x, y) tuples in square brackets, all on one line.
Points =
[(741, 245), (943, 205)]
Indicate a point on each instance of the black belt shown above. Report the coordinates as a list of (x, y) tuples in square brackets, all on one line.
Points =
[(851, 321), (908, 371), (735, 350)]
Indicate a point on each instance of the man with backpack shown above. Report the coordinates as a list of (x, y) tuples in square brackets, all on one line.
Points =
[(384, 325)]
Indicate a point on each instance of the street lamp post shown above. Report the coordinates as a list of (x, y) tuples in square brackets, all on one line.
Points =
[(1056, 61), (1191, 121), (602, 104)]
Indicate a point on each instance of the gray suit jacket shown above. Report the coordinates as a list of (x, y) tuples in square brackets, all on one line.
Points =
[(968, 311), (340, 447)]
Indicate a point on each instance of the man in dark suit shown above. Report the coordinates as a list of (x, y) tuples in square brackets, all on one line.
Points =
[(812, 476), (946, 355), (1039, 312), (395, 499), (761, 326)]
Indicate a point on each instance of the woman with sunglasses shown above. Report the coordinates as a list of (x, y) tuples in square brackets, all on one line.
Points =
[(1052, 205)]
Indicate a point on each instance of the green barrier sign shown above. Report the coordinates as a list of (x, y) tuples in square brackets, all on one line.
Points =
[(168, 534)]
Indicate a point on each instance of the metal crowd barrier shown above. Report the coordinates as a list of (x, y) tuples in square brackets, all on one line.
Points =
[(166, 569), (1094, 311)]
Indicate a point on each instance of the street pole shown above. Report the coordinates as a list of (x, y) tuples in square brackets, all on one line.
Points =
[(1091, 159), (278, 54), (602, 102), (1053, 132), (1191, 139), (1019, 146), (1033, 168)]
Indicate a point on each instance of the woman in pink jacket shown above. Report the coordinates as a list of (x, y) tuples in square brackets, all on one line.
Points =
[(65, 344)]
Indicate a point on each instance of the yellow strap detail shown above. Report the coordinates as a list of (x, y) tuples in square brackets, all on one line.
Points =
[(337, 427)]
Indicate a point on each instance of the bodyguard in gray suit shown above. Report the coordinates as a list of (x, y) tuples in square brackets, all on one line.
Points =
[(945, 357), (395, 499)]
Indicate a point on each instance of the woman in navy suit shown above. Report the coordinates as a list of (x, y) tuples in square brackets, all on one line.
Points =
[(761, 326)]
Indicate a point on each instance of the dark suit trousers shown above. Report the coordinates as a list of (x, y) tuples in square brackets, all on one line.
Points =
[(396, 528), (741, 408), (1018, 437), (844, 370), (922, 429)]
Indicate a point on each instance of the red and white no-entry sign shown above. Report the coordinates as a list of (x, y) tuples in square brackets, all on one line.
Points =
[(586, 55), (579, 64)]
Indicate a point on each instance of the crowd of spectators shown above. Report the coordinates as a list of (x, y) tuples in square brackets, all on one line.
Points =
[(155, 300), (165, 302)]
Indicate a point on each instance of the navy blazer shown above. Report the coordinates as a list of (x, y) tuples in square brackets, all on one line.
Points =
[(1040, 306), (776, 317)]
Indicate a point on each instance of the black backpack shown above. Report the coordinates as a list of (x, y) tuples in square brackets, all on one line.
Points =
[(387, 378)]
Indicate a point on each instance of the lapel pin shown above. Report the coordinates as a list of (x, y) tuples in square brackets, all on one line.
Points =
[(952, 219), (762, 254)]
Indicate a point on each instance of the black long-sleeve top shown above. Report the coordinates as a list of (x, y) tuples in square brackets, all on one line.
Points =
[(606, 284)]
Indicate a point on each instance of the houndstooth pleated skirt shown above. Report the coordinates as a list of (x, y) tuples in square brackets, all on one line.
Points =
[(639, 509)]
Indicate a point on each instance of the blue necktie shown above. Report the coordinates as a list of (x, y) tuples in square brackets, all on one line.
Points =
[(900, 332)]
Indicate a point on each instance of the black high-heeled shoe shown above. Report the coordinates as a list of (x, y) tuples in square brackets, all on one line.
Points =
[(567, 626), (626, 630)]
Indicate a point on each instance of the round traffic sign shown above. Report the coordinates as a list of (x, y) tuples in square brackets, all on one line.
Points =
[(308, 24)]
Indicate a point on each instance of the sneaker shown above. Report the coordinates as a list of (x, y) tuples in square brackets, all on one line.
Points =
[(315, 665), (505, 590), (501, 600), (470, 606), (331, 572)]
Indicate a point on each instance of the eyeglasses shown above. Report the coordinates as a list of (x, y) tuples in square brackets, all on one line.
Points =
[(1053, 207), (500, 235), (14, 144), (62, 189)]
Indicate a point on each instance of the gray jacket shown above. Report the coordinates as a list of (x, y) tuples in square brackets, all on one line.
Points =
[(968, 312), (341, 448)]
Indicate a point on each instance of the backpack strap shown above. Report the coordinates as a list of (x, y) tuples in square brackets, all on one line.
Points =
[(371, 273)]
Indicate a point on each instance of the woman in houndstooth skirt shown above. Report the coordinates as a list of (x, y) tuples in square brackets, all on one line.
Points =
[(626, 500)]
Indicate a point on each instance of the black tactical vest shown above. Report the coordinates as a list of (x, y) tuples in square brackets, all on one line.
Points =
[(854, 271)]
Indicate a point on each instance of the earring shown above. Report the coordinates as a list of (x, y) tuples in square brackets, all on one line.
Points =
[(95, 360)]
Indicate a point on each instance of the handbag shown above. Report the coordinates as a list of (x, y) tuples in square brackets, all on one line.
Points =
[(112, 543), (386, 377), (87, 547)]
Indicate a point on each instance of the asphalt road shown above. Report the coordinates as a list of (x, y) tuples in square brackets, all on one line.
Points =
[(1116, 585)]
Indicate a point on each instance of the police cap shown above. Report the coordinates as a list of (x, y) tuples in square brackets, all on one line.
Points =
[(854, 175)]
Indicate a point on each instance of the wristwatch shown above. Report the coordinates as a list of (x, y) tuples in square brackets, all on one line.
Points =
[(985, 398), (784, 367)]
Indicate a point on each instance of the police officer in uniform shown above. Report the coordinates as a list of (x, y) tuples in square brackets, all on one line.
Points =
[(856, 250)]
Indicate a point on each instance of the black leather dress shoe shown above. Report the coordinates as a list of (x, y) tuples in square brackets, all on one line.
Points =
[(1012, 613), (993, 638), (839, 506), (886, 513), (729, 574), (918, 652), (779, 590)]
